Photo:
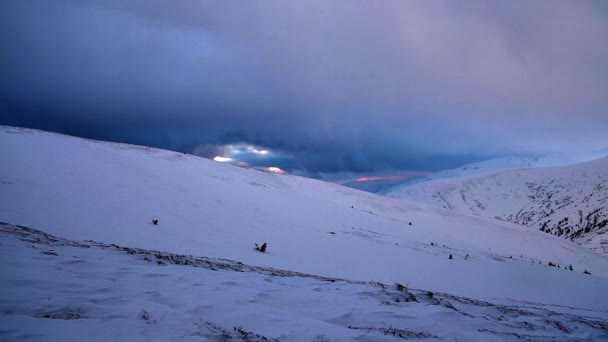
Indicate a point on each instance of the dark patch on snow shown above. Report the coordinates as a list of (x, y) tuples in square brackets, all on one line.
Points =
[(66, 313), (403, 334), (218, 333)]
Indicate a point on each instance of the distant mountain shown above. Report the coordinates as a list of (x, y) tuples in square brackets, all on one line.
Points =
[(386, 186), (381, 186), (568, 201), (517, 162)]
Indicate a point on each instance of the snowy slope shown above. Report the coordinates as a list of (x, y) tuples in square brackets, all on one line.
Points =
[(107, 292), (87, 190), (568, 201)]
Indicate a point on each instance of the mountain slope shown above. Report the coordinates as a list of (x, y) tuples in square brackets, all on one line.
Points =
[(568, 201), (87, 190)]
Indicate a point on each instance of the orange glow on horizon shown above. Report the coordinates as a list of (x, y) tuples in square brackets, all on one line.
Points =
[(393, 177)]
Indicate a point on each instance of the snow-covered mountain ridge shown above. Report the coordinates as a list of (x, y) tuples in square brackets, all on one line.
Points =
[(485, 167), (567, 201), (517, 162)]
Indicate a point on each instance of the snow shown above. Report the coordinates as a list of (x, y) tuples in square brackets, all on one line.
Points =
[(482, 168), (102, 292), (538, 198), (518, 162), (80, 190)]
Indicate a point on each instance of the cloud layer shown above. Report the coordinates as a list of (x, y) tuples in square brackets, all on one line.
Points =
[(333, 85)]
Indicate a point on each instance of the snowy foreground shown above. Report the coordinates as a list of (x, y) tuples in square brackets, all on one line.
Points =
[(107, 292), (498, 280)]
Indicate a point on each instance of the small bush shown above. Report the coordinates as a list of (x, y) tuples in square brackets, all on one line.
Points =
[(261, 248)]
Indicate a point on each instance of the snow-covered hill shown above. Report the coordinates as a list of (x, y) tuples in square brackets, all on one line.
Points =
[(82, 190), (381, 186), (568, 201), (485, 167), (515, 163)]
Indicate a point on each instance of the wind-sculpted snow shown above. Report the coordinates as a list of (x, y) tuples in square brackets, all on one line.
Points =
[(60, 289), (568, 201)]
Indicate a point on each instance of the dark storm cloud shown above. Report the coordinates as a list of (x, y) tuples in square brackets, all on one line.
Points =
[(330, 85)]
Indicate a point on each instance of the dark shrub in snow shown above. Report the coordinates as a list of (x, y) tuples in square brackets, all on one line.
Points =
[(261, 248)]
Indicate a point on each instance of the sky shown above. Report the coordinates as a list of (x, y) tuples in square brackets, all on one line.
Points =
[(323, 86)]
